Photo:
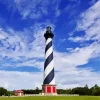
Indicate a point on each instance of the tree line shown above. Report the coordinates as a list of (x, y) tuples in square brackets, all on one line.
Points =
[(5, 92), (95, 91)]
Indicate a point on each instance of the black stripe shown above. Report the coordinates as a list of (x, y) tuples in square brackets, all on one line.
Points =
[(48, 46), (49, 78), (48, 60)]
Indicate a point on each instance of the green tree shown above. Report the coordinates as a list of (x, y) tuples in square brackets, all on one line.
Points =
[(95, 90), (3, 91)]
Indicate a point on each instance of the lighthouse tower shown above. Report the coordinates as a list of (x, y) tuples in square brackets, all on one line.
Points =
[(49, 87)]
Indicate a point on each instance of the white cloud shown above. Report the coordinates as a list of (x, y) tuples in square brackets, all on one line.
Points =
[(2, 36), (13, 80), (92, 2), (76, 57), (57, 13), (89, 23), (20, 80), (77, 77), (20, 46), (75, 39), (32, 63), (33, 8)]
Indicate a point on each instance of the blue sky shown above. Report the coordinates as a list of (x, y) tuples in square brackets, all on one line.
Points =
[(75, 24)]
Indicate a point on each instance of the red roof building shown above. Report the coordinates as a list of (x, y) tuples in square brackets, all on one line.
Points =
[(19, 93)]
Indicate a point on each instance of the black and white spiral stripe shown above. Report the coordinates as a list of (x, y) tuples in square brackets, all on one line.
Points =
[(49, 77)]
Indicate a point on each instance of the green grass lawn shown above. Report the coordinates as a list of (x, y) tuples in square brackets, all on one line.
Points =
[(52, 98)]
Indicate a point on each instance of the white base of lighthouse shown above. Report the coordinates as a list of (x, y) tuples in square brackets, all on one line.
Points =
[(48, 89)]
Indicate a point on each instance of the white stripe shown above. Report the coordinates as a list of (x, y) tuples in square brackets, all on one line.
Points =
[(53, 81), (48, 69), (48, 52), (48, 40)]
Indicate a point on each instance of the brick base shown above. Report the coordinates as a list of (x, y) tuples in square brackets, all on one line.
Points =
[(49, 89)]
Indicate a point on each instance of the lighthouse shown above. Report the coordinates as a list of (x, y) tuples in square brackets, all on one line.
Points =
[(49, 87)]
